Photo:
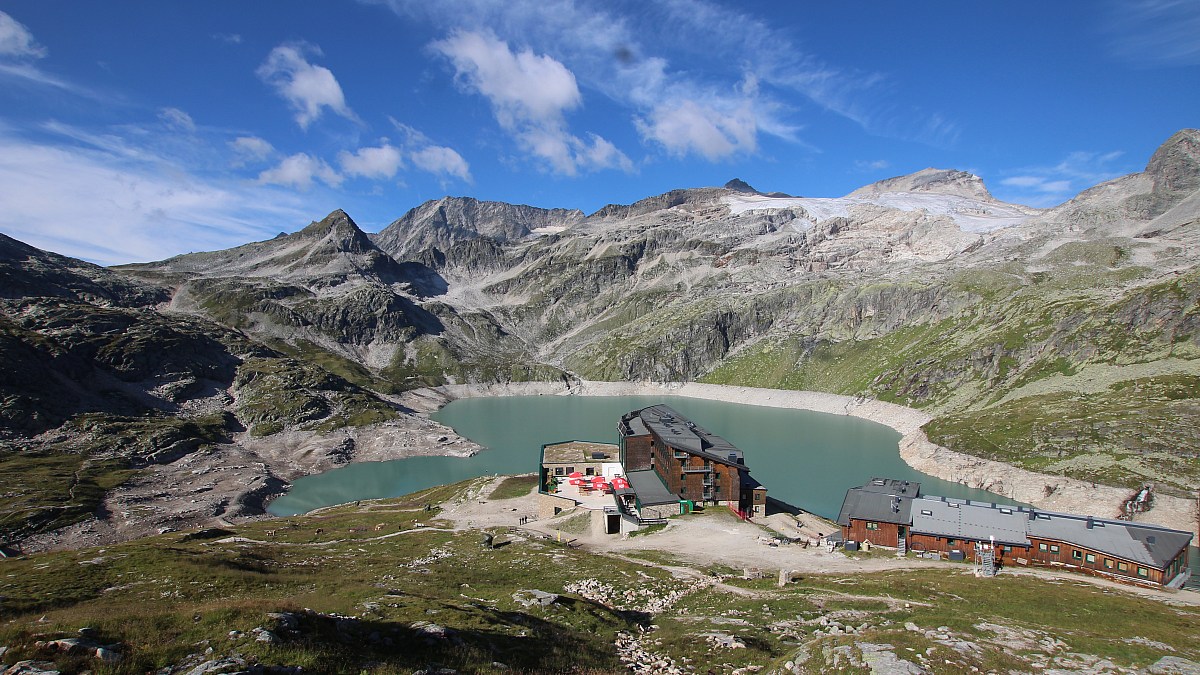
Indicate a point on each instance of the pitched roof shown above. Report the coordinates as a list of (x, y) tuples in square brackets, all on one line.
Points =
[(1150, 545), (681, 433), (962, 519), (880, 507)]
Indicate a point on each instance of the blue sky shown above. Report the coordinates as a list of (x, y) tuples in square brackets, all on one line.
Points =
[(137, 130)]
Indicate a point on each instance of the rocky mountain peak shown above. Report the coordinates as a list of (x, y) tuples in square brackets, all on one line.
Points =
[(935, 181), (739, 185), (1175, 166), (340, 231)]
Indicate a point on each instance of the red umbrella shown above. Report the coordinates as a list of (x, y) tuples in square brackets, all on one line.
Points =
[(575, 474), (576, 481), (620, 483), (598, 479)]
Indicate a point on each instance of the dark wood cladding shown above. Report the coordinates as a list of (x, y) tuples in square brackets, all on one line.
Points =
[(884, 534), (694, 477), (636, 452)]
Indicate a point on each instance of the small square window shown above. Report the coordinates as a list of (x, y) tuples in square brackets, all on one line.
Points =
[(757, 495), (1077, 555), (872, 526), (1124, 567), (1091, 557), (951, 542), (558, 471), (1142, 572), (1108, 563), (1054, 548), (683, 476), (1042, 547)]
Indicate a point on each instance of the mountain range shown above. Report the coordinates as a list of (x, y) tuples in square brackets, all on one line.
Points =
[(1063, 340)]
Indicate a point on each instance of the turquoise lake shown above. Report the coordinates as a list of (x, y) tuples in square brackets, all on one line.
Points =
[(804, 458)]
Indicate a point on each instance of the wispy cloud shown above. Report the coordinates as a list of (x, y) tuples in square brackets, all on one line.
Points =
[(249, 149), (530, 95), (1050, 185), (1154, 32), (872, 164), (177, 119), (229, 38), (309, 88), (106, 199), (623, 50), (17, 41)]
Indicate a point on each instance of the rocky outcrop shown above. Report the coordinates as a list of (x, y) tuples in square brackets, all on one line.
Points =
[(938, 181), (448, 221)]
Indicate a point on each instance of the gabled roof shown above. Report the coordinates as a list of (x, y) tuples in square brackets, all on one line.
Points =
[(961, 519), (879, 507), (1149, 545), (680, 433)]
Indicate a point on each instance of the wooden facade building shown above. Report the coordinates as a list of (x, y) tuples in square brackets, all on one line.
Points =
[(1124, 551), (879, 512), (693, 463)]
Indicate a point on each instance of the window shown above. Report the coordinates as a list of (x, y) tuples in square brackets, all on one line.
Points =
[(1124, 567), (1091, 557), (951, 542), (1077, 554), (757, 495), (1054, 548), (570, 470), (1108, 563), (683, 477), (558, 471), (872, 526), (591, 471), (926, 512), (1007, 512), (1041, 547), (1142, 572), (1008, 549)]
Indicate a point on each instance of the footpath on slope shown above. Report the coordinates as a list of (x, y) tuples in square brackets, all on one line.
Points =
[(1043, 491)]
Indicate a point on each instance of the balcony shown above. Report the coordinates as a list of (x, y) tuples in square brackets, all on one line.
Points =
[(697, 469)]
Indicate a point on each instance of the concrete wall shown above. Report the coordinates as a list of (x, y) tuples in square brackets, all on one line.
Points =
[(547, 503)]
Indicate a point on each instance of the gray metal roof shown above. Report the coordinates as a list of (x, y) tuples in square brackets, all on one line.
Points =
[(964, 519), (649, 488), (1150, 545), (880, 507), (678, 432), (893, 486)]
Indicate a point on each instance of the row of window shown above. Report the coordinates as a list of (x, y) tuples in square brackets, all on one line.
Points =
[(1090, 558)]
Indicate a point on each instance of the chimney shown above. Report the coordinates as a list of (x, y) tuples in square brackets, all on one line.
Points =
[(1089, 522)]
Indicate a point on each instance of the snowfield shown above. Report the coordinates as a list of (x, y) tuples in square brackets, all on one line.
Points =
[(971, 215)]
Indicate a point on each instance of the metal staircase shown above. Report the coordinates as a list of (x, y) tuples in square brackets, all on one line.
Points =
[(985, 560)]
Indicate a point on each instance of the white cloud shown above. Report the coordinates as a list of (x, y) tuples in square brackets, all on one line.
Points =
[(530, 95), (624, 55), (247, 149), (437, 159), (308, 88), (178, 119), (300, 171), (380, 162), (230, 38), (17, 41), (687, 126), (90, 202)]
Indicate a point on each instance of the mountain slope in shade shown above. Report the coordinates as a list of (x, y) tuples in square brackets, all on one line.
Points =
[(26, 271)]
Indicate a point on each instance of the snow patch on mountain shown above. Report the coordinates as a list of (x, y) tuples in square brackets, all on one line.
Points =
[(971, 215)]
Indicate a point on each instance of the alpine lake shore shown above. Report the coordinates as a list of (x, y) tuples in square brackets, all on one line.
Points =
[(404, 585)]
